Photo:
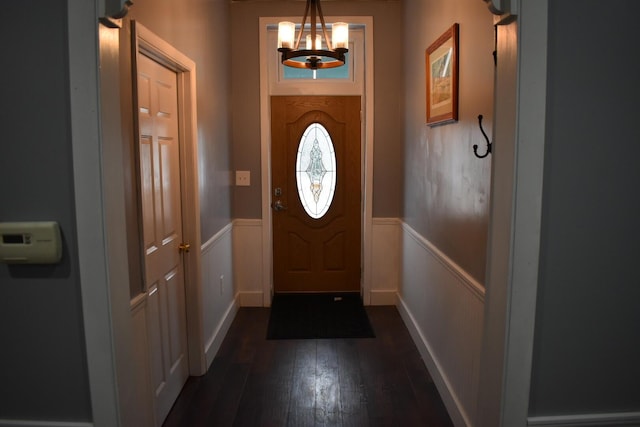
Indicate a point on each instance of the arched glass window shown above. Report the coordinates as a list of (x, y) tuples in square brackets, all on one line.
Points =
[(316, 170)]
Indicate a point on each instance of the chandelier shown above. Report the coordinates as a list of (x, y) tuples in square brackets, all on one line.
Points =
[(313, 56)]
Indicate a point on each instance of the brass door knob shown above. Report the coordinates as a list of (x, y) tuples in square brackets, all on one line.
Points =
[(184, 247)]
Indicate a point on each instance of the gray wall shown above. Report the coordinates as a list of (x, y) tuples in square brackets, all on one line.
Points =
[(586, 347), (446, 189), (245, 105), (43, 374), (44, 369), (200, 30)]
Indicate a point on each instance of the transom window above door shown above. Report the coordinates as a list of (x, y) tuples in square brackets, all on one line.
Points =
[(345, 80)]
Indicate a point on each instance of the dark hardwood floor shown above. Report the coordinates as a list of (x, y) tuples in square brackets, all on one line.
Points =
[(253, 381)]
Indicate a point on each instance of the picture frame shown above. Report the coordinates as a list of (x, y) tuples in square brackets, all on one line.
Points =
[(441, 59)]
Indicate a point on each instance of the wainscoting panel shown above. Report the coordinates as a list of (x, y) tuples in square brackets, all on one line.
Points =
[(247, 261), (219, 304), (250, 271), (139, 411), (443, 308), (385, 266)]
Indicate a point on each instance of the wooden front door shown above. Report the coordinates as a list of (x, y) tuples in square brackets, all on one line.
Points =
[(315, 143), (159, 152)]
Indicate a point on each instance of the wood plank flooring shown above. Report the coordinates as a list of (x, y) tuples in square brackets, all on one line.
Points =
[(253, 381)]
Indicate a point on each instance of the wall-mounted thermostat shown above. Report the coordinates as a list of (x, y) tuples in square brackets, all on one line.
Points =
[(30, 242)]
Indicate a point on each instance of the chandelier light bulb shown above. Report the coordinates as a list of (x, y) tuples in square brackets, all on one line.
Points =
[(286, 34), (310, 45), (340, 35)]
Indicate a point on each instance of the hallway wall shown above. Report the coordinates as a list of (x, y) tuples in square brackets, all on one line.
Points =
[(43, 374), (446, 188), (586, 352), (446, 202)]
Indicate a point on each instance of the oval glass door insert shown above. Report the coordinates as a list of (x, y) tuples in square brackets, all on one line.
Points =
[(316, 170)]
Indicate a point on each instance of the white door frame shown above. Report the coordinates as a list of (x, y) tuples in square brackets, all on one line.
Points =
[(102, 306), (514, 233), (165, 54), (265, 151)]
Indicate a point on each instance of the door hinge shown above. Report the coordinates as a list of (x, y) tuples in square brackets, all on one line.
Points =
[(184, 247)]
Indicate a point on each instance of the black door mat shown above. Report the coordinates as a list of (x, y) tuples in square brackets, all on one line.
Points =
[(324, 315)]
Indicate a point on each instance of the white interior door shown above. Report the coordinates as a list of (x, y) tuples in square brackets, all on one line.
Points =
[(159, 152)]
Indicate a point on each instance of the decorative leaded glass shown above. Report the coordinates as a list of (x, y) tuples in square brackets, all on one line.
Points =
[(316, 170)]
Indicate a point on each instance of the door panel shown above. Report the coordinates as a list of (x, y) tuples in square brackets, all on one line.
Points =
[(316, 255), (159, 154)]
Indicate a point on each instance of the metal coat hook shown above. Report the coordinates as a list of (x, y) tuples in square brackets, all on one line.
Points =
[(475, 146)]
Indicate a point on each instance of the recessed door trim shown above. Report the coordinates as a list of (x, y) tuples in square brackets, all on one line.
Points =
[(367, 95)]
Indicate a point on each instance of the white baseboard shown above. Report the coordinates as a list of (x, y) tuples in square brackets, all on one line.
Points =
[(213, 344), (434, 368), (582, 420), (33, 423), (443, 309), (384, 297), (251, 298)]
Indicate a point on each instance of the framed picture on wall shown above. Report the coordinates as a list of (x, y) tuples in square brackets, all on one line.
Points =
[(442, 78)]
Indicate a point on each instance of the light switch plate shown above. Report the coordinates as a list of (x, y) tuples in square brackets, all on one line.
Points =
[(243, 178)]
